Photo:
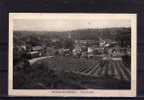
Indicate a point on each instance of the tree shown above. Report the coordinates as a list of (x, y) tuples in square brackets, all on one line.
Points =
[(124, 39), (68, 43)]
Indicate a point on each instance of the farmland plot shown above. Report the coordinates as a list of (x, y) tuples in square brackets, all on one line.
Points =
[(69, 72)]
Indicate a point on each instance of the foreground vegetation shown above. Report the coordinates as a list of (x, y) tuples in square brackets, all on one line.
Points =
[(72, 73)]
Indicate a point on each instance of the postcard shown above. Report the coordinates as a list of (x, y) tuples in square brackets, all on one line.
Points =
[(72, 54)]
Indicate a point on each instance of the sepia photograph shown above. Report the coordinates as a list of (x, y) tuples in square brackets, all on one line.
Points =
[(72, 54)]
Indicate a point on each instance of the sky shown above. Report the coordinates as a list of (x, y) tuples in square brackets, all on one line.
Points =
[(66, 24)]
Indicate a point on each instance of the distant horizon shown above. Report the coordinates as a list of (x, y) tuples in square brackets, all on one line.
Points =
[(72, 30)]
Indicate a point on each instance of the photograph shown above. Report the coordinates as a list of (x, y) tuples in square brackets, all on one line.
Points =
[(72, 54)]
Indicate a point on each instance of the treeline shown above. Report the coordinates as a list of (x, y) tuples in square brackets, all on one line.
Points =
[(105, 33), (122, 35)]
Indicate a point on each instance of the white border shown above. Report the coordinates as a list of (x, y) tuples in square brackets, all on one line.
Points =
[(74, 93)]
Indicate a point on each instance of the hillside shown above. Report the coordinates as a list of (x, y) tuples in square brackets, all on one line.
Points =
[(78, 34)]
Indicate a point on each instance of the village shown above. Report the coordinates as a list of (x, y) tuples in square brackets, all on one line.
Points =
[(79, 48)]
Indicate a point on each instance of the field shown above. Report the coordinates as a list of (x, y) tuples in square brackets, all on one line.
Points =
[(72, 73)]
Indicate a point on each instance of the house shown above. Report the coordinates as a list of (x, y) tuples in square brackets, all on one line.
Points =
[(77, 50), (90, 52), (33, 54), (36, 51)]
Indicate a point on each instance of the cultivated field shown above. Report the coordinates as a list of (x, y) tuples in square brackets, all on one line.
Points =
[(71, 73)]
